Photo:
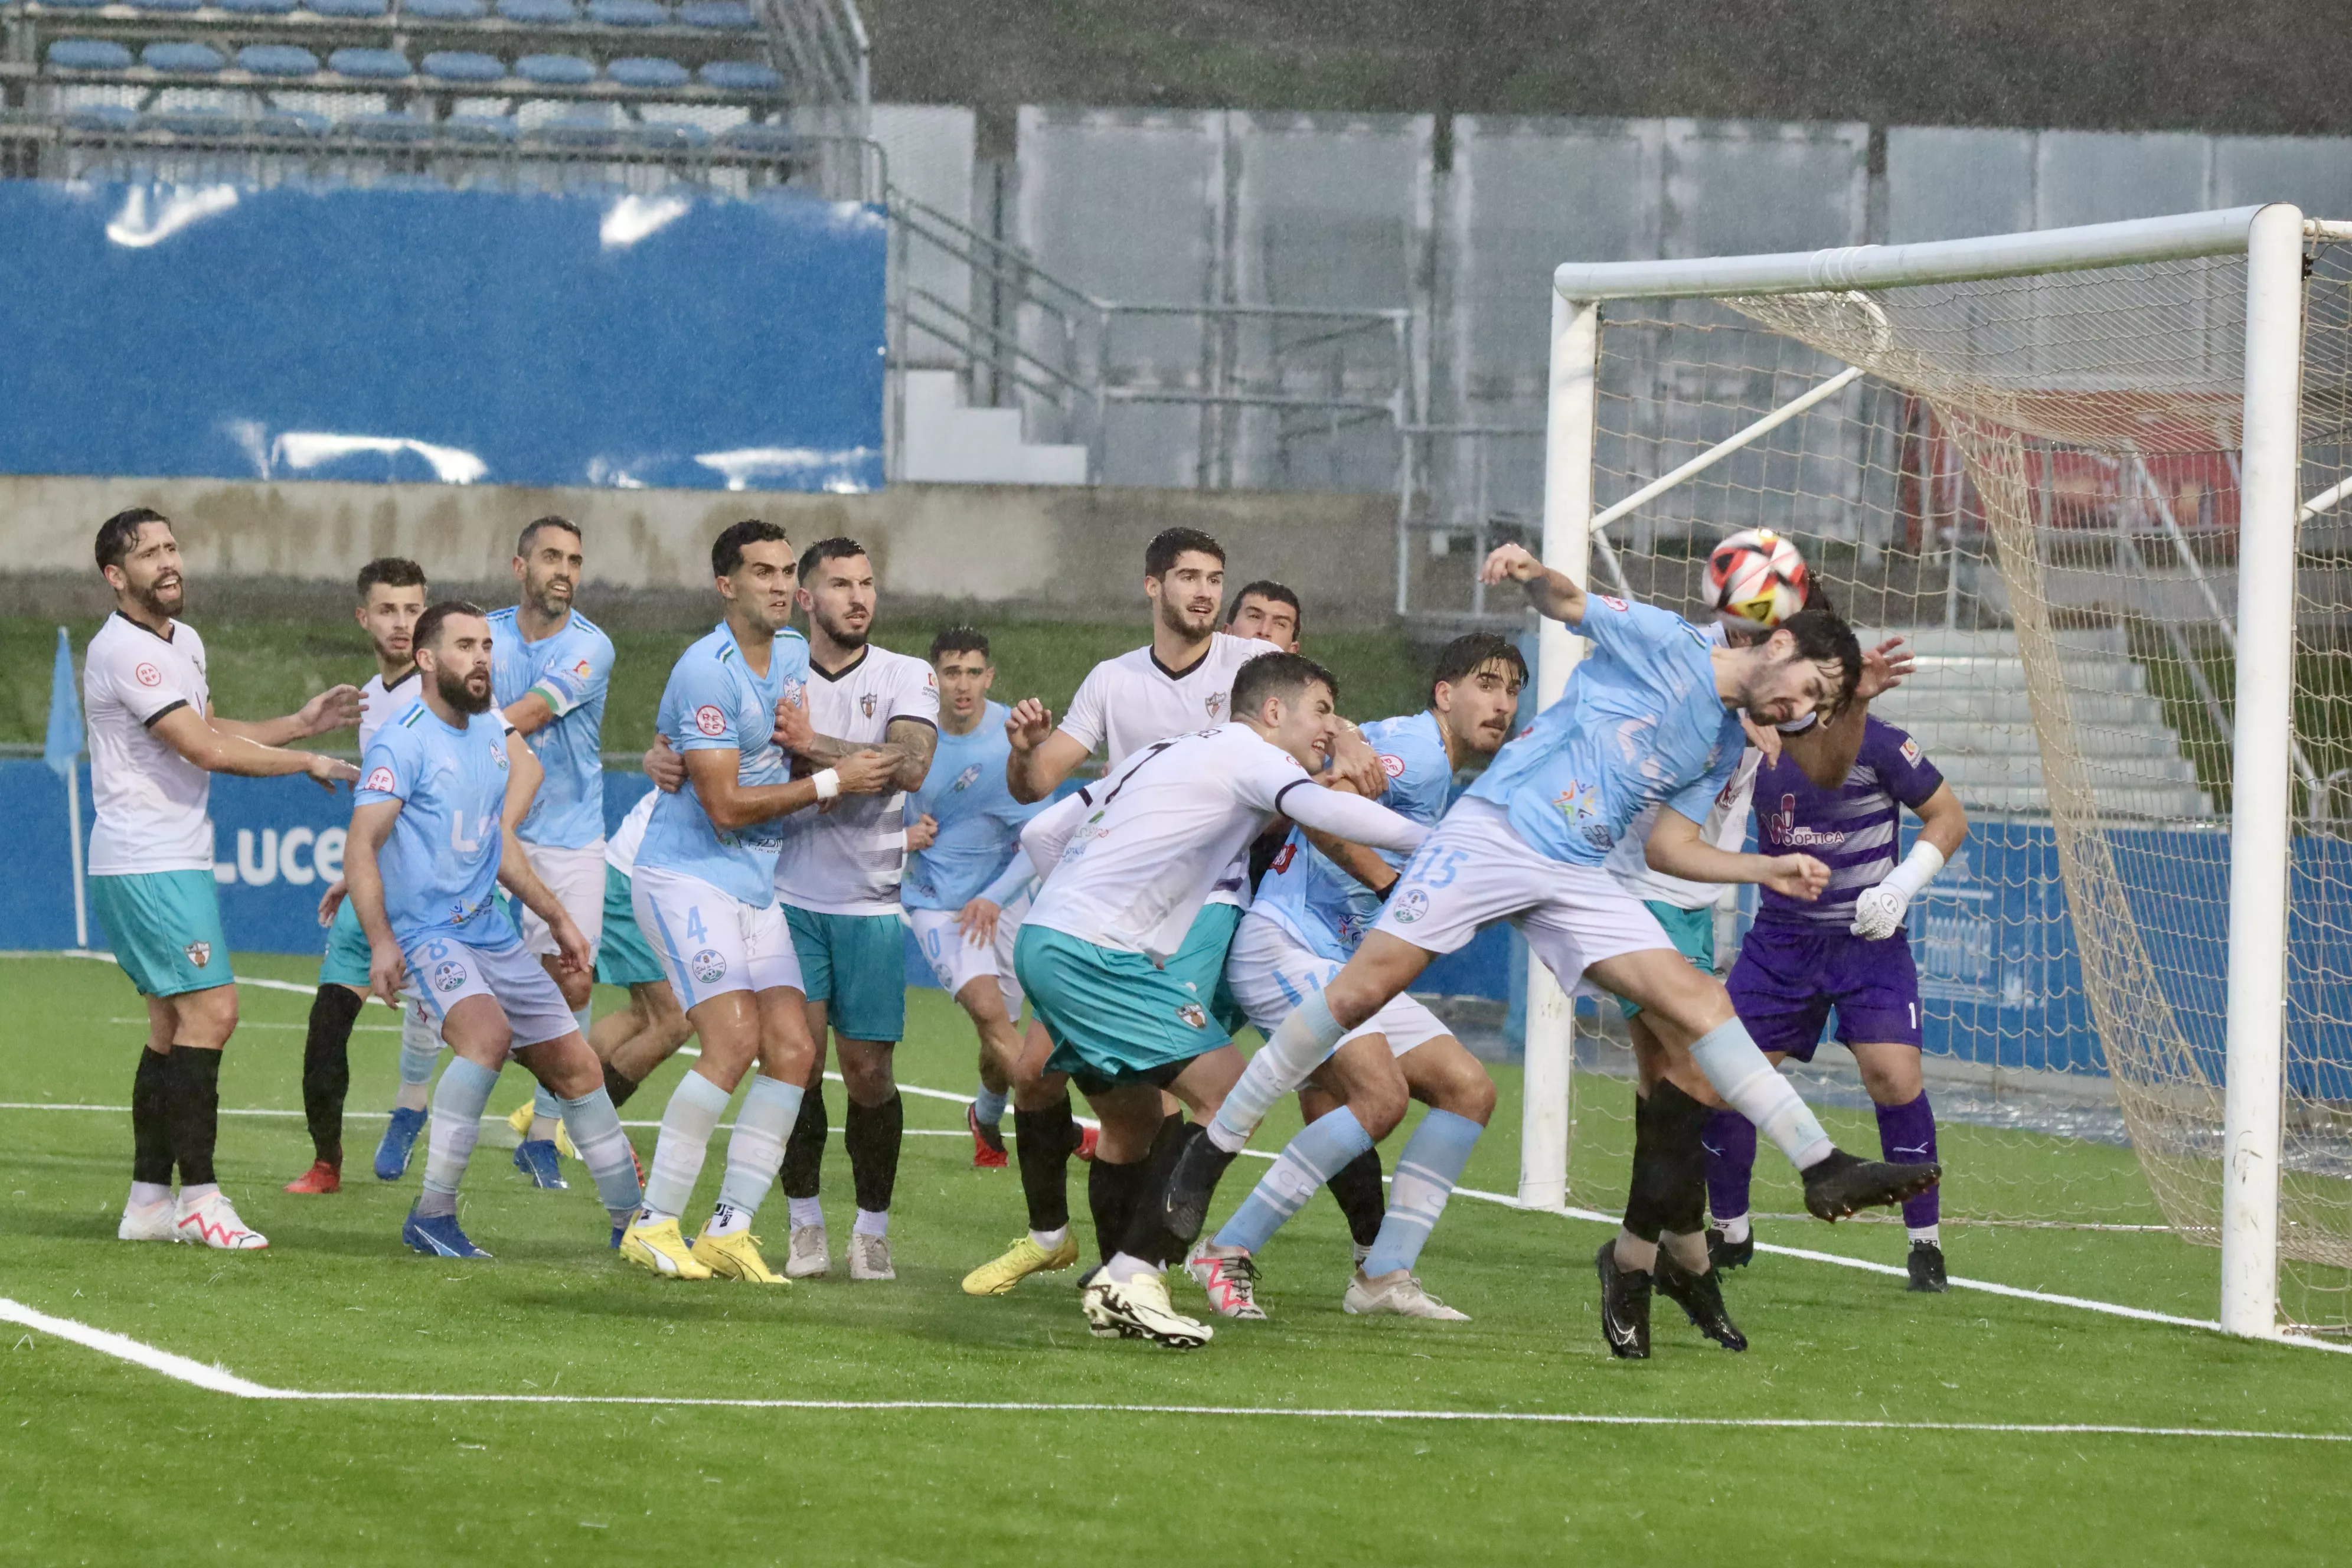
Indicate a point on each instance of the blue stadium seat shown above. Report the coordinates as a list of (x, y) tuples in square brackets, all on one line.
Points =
[(278, 59), (88, 55), (757, 137), (105, 117), (742, 76), (190, 121), (540, 13), (76, 4), (555, 70), (348, 8), (256, 8), (291, 122), (386, 127), (578, 129), (627, 14), (667, 135), (463, 65), (444, 10), (374, 65), (479, 128), (201, 58), (642, 71), (168, 5), (725, 14)]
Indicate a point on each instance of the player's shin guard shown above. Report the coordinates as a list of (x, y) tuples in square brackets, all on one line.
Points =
[(1296, 1049), (1425, 1174), (755, 1150), (327, 1068), (1740, 1074), (151, 1126), (872, 1135), (457, 1107), (805, 1150), (1324, 1147), (595, 1128), (1907, 1133), (191, 1111), (687, 1124), (420, 1048), (1730, 1143), (1042, 1142), (1356, 1187)]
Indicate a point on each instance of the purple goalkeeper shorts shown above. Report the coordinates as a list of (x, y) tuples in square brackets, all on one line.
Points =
[(1790, 975)]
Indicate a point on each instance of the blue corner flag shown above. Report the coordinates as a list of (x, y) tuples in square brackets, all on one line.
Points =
[(64, 743)]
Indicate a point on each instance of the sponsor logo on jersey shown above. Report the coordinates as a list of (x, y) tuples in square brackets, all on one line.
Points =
[(1911, 752), (1191, 1015), (967, 778), (1409, 907), (1393, 765), (709, 720), (447, 977), (1780, 827), (866, 704), (1580, 804), (200, 953), (707, 966), (1614, 603), (148, 675), (379, 779), (580, 669)]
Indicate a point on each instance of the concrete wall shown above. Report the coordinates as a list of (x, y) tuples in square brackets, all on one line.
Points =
[(1068, 553)]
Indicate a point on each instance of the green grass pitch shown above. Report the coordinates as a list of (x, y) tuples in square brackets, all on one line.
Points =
[(102, 1461)]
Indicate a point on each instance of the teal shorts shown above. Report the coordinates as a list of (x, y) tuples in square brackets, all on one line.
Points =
[(855, 965), (166, 930), (348, 953), (1200, 964), (622, 956), (1115, 1017), (1693, 933)]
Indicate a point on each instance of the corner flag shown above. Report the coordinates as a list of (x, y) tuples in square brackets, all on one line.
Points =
[(62, 751)]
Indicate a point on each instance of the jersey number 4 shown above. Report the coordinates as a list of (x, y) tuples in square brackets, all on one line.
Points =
[(464, 842)]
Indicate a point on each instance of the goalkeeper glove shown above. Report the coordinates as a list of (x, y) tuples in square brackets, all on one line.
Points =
[(1878, 913)]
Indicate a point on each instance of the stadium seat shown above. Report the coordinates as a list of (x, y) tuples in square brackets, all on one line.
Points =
[(256, 8), (278, 59), (190, 121), (667, 135), (103, 117), (463, 65), (724, 14), (555, 70), (374, 65), (348, 8), (168, 5), (291, 122), (641, 72), (444, 10), (479, 128), (74, 4), (386, 127), (627, 14), (88, 55), (757, 136), (578, 129), (540, 13), (742, 76), (201, 58)]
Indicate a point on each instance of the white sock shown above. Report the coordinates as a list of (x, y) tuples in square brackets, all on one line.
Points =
[(420, 1048), (1125, 1267), (694, 1109), (805, 1211), (1050, 1240), (1738, 1072), (871, 1222), (1933, 1235), (1735, 1230), (755, 1149), (726, 1219), (147, 1195), (1298, 1046)]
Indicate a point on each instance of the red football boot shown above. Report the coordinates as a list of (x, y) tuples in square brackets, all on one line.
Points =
[(987, 1143), (323, 1176)]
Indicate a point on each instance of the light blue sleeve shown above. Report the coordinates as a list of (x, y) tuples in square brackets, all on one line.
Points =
[(1010, 881), (706, 708), (389, 769), (1632, 631), (577, 675)]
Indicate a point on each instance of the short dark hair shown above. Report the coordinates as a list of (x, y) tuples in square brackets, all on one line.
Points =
[(390, 572), (727, 550), (428, 625), (1170, 542), (531, 531), (840, 547), (1277, 675), (1461, 658), (118, 533), (960, 639), (1267, 588), (1822, 637)]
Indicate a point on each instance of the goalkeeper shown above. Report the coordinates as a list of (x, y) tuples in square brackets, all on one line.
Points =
[(1847, 950)]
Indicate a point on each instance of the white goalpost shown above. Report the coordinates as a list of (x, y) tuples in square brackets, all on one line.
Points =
[(2042, 456)]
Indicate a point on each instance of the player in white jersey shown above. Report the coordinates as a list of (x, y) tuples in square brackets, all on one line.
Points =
[(1130, 862), (704, 895), (154, 744), (652, 1028), (391, 597), (432, 837), (552, 668)]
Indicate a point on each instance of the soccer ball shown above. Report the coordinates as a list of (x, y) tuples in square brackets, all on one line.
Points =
[(1756, 578)]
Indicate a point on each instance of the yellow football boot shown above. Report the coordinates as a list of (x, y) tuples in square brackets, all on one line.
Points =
[(735, 1256), (520, 1122), (1024, 1258), (659, 1249)]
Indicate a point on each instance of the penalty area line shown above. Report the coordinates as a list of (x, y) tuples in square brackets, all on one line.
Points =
[(220, 1380)]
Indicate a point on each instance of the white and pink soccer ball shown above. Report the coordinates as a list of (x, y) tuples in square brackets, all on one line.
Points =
[(1756, 578)]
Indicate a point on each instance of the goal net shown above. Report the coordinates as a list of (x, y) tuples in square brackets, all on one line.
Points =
[(2039, 478)]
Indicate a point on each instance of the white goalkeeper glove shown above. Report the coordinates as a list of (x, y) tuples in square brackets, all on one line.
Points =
[(1878, 913)]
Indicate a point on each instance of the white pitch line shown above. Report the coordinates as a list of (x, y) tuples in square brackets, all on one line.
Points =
[(219, 1380), (254, 980)]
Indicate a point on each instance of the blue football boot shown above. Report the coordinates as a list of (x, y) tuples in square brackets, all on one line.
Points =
[(399, 1139), (437, 1236), (535, 1158)]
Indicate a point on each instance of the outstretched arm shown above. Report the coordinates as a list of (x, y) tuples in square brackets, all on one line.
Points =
[(1552, 593), (336, 708), (225, 751), (1826, 751), (1677, 848), (1350, 817)]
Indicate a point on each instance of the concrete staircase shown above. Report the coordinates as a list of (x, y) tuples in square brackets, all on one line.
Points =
[(1966, 704), (943, 442)]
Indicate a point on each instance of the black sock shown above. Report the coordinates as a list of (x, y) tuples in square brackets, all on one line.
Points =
[(1650, 1189), (1113, 1193), (327, 1068), (1042, 1142), (151, 1129), (191, 1111), (1679, 1123), (1357, 1188), (805, 1150), (1147, 1236), (619, 1085), (872, 1137)]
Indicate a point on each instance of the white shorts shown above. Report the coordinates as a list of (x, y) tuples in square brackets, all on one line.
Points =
[(1270, 973), (956, 963), (445, 972), (709, 943), (576, 878), (1473, 871)]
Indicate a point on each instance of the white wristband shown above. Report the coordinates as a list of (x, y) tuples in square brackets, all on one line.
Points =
[(828, 783), (1918, 870)]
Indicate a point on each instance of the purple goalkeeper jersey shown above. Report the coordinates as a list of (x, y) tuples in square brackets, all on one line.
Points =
[(1851, 828)]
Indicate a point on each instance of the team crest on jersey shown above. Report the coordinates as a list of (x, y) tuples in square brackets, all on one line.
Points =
[(499, 755), (379, 779), (1191, 1015), (709, 720), (447, 977), (200, 953), (1614, 603), (865, 704), (793, 689), (967, 778), (1216, 703), (148, 675), (1393, 765), (1409, 907), (709, 966), (1911, 752)]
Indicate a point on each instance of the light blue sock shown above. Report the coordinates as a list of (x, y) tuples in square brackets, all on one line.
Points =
[(420, 1048), (1738, 1072), (457, 1122), (987, 1106), (1425, 1174), (693, 1112), (595, 1128), (1305, 1163), (1297, 1048), (545, 1106), (756, 1147)]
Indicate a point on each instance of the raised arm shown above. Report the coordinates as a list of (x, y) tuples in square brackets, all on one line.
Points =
[(1549, 592), (1678, 847), (336, 708), (217, 750), (1827, 750), (1043, 756)]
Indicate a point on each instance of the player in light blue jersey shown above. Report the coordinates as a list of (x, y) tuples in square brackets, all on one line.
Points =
[(704, 893), (1317, 899), (551, 666), (1652, 716), (966, 883), (427, 846)]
